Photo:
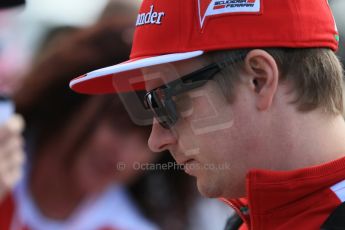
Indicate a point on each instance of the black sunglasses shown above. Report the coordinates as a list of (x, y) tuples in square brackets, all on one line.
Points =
[(160, 100)]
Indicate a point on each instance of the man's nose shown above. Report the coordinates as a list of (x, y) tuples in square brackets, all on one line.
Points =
[(160, 138)]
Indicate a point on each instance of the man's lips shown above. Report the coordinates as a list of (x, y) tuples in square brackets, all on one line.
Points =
[(189, 161), (186, 162), (189, 164), (183, 161)]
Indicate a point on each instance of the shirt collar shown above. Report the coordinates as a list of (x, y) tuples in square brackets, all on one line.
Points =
[(268, 191)]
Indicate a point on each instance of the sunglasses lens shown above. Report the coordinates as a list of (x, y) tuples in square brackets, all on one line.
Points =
[(163, 110)]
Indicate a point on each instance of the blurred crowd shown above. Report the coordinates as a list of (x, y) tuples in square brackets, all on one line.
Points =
[(66, 160)]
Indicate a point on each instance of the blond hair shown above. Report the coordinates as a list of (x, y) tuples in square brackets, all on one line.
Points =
[(316, 75)]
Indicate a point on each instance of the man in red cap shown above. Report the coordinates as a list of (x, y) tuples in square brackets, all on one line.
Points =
[(247, 95)]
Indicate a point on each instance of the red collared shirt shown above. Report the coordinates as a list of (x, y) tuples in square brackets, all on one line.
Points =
[(300, 199)]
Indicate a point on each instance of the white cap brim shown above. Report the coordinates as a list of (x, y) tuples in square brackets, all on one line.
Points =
[(101, 81)]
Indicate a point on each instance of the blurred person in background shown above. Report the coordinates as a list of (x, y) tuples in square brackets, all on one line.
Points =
[(11, 125), (75, 142)]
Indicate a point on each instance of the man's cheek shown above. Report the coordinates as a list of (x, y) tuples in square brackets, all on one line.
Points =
[(210, 114)]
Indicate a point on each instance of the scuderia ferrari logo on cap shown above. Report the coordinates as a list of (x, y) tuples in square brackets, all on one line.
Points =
[(209, 8), (151, 17)]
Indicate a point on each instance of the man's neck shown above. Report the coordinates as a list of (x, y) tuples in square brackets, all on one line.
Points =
[(310, 139)]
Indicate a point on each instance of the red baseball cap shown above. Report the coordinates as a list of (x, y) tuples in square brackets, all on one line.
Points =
[(174, 30)]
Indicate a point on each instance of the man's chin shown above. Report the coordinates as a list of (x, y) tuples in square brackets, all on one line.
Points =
[(208, 189)]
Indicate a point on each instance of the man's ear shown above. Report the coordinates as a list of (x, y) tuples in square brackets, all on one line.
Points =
[(264, 74)]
